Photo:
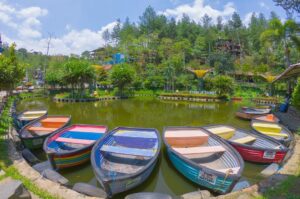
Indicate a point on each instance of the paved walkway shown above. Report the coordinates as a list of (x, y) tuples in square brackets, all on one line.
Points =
[(291, 119)]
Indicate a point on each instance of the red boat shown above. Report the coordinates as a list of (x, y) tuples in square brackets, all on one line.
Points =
[(252, 146)]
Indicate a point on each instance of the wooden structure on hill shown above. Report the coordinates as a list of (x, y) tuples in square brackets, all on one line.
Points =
[(227, 45)]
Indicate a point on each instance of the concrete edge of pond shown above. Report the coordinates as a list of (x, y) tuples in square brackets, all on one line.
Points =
[(26, 170), (290, 167), (85, 100)]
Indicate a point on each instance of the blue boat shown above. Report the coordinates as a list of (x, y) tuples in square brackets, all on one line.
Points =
[(203, 158), (125, 157)]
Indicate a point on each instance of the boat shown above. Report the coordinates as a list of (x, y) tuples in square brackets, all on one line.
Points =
[(203, 158), (276, 131), (34, 133), (72, 145), (252, 146), (26, 117), (250, 113), (125, 157), (268, 118)]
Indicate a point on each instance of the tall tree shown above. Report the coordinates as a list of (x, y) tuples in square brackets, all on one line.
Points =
[(285, 34)]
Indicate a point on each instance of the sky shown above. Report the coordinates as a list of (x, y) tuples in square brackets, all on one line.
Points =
[(77, 25)]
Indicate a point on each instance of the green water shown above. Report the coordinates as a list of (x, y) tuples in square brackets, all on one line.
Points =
[(152, 113)]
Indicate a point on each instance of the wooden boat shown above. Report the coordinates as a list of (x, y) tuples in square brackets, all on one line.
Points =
[(203, 158), (267, 118), (252, 146), (250, 113), (72, 146), (26, 117), (125, 157), (34, 133), (274, 130)]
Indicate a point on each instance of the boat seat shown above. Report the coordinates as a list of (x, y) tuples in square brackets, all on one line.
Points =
[(54, 122), (38, 128), (200, 150), (34, 112), (267, 127), (245, 140), (28, 117), (274, 134), (128, 151), (234, 170), (186, 138), (136, 134), (222, 131), (74, 141), (89, 129)]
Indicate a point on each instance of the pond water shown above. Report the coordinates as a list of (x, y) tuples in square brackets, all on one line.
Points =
[(152, 113)]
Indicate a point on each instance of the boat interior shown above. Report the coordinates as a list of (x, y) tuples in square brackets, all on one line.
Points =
[(270, 129), (242, 137), (76, 137), (202, 149), (127, 152), (31, 115), (45, 126)]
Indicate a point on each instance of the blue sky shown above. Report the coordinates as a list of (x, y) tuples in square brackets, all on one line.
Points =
[(77, 25)]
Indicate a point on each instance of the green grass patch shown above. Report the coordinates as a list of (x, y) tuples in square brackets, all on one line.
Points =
[(288, 189), (13, 173), (5, 163)]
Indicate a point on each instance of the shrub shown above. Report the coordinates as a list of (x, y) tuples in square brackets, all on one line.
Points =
[(208, 83), (296, 95), (223, 85)]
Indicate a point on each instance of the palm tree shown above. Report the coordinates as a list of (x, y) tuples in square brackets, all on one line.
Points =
[(283, 33)]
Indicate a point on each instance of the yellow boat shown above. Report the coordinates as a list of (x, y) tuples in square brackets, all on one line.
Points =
[(274, 130)]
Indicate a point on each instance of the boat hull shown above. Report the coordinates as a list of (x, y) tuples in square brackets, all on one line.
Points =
[(260, 156), (119, 186), (248, 116), (70, 159), (35, 142), (221, 184)]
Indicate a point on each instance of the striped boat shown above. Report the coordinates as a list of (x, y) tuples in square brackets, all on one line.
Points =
[(34, 133), (252, 146), (25, 117), (274, 130), (72, 145), (125, 158), (203, 158)]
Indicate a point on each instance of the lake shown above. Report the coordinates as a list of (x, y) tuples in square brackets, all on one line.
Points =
[(152, 113)]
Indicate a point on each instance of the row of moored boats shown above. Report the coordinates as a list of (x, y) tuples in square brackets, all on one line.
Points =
[(211, 156)]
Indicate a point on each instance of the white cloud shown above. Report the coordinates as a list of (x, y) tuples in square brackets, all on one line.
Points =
[(264, 5), (32, 12), (247, 18), (198, 9), (26, 23)]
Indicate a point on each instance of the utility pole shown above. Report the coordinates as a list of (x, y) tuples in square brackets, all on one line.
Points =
[(47, 54)]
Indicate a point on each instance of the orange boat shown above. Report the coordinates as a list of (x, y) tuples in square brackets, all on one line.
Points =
[(34, 134), (268, 118)]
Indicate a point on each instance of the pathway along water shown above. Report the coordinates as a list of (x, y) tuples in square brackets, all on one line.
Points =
[(152, 113)]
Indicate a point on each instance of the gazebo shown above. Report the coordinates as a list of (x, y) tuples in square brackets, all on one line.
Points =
[(290, 74)]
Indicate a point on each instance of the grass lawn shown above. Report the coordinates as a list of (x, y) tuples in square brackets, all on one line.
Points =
[(6, 164)]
